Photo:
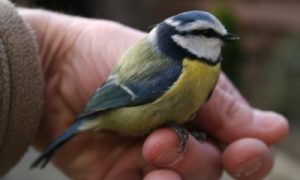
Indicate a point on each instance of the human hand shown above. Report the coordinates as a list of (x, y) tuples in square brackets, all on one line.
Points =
[(77, 55)]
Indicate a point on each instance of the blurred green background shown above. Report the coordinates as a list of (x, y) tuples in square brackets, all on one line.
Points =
[(264, 64)]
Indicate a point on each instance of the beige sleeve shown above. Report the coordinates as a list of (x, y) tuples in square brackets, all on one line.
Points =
[(20, 87)]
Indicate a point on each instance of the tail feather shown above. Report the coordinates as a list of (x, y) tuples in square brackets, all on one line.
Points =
[(47, 154)]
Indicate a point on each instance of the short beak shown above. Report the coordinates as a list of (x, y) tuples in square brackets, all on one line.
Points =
[(230, 37)]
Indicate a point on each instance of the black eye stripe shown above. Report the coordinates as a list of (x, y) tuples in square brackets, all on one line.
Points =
[(205, 32)]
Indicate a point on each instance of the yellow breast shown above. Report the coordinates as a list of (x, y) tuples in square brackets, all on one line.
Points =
[(191, 90), (184, 98)]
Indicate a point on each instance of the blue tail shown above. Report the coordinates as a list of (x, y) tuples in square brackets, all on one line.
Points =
[(47, 154)]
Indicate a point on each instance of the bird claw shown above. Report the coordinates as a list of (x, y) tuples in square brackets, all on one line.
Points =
[(182, 134)]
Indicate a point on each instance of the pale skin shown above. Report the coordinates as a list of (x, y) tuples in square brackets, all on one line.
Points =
[(77, 55)]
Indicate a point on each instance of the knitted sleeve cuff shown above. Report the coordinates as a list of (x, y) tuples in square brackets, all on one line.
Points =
[(20, 87)]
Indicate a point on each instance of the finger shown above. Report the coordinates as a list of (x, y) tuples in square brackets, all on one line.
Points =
[(198, 161), (162, 174), (247, 159), (228, 117), (226, 85)]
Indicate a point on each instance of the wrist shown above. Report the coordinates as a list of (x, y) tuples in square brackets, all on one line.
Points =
[(20, 87)]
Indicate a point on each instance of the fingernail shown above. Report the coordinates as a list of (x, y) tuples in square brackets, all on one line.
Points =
[(248, 168), (169, 158)]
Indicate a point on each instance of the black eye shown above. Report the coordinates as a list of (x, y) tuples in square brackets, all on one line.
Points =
[(206, 32), (209, 33)]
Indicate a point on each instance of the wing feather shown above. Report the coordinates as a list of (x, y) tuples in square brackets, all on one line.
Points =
[(142, 78)]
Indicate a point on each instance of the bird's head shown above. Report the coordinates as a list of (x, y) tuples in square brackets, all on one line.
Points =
[(193, 34)]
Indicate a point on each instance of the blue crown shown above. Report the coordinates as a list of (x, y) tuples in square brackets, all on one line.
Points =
[(191, 16)]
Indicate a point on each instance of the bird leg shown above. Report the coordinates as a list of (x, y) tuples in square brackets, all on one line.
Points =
[(182, 134)]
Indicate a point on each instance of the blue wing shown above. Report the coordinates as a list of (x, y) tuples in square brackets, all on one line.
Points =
[(139, 90)]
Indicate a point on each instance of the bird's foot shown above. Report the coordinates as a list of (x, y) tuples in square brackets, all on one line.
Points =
[(182, 134), (199, 135)]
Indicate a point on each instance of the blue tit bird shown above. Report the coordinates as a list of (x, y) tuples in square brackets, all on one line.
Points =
[(162, 79)]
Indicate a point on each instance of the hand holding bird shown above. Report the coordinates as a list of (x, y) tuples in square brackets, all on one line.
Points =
[(65, 90)]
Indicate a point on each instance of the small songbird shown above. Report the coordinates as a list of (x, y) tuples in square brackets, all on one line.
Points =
[(161, 80)]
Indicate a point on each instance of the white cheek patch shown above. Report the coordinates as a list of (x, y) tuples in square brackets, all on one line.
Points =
[(209, 48)]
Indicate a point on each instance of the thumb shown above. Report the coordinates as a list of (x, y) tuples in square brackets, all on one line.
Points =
[(227, 116)]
